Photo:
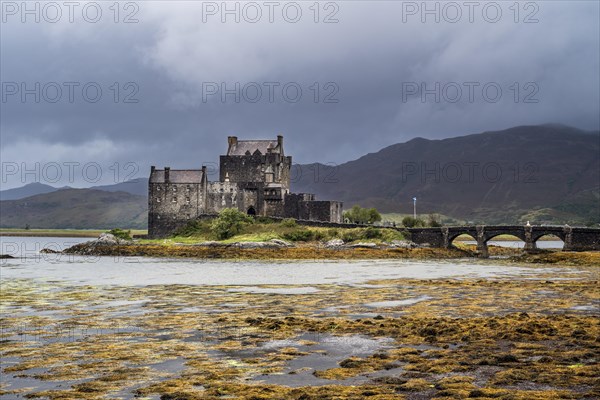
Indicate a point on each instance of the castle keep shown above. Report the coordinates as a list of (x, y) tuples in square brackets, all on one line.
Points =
[(254, 177)]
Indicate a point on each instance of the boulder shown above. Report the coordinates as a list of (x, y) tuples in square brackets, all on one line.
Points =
[(255, 245), (364, 245), (211, 243), (334, 243), (404, 244), (281, 243), (108, 239)]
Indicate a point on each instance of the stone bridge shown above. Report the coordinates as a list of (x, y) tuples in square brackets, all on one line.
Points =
[(574, 238)]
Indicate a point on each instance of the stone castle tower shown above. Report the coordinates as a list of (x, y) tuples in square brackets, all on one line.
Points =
[(254, 177)]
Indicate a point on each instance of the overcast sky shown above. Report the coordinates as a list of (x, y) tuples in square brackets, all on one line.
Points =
[(178, 77)]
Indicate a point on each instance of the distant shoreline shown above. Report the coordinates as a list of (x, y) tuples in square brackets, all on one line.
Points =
[(91, 233), (94, 233)]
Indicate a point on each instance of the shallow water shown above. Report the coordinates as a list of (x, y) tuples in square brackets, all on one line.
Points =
[(397, 303), (138, 271), (326, 352), (518, 244)]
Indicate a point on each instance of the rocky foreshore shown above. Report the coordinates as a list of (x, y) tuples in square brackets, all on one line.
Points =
[(109, 245), (336, 249)]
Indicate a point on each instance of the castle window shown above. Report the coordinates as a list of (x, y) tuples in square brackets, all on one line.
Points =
[(158, 200), (174, 199), (187, 199), (189, 188), (158, 188), (174, 188)]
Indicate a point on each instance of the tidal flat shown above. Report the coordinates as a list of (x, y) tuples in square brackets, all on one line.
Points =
[(94, 327)]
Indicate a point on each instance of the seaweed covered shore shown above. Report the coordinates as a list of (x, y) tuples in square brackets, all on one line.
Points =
[(281, 250), (389, 339)]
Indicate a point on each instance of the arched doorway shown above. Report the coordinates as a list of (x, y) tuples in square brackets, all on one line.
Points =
[(251, 210)]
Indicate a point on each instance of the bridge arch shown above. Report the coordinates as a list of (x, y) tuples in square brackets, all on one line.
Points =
[(520, 239), (552, 236), (535, 236), (453, 236), (517, 235)]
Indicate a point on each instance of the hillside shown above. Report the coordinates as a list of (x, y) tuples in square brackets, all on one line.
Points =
[(137, 186), (75, 208), (31, 189), (547, 173)]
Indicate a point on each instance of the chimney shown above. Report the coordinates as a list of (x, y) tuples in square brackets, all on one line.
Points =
[(152, 168), (232, 140), (280, 140), (167, 173)]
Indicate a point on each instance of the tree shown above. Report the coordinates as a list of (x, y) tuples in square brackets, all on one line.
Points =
[(433, 220), (374, 215), (411, 222), (229, 223), (359, 215)]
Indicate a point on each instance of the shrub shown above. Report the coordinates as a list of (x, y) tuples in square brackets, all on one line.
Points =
[(299, 235), (350, 236), (411, 222), (229, 223), (264, 220), (372, 233), (120, 234), (289, 223), (433, 221), (359, 215), (193, 228), (318, 235)]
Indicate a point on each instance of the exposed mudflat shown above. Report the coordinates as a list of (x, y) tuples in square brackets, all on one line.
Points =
[(453, 330)]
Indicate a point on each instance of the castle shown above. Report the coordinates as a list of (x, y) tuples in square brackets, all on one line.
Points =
[(254, 177)]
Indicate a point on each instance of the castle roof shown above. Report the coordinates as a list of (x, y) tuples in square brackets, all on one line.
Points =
[(248, 147), (177, 176)]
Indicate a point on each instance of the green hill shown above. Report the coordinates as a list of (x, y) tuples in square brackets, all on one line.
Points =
[(75, 209)]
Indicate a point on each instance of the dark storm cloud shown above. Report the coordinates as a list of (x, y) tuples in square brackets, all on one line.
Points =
[(366, 67)]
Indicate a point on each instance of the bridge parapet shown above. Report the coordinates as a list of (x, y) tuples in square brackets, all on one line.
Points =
[(574, 238)]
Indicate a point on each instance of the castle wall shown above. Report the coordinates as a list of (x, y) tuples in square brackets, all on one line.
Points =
[(291, 208), (320, 210), (250, 168), (169, 204), (221, 195)]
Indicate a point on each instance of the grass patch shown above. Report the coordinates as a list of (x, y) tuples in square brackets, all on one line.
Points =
[(288, 229)]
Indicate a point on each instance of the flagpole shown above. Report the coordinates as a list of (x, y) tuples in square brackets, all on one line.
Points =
[(414, 207)]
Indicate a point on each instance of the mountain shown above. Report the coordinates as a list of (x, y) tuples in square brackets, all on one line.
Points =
[(30, 189), (75, 209), (546, 173), (138, 186)]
